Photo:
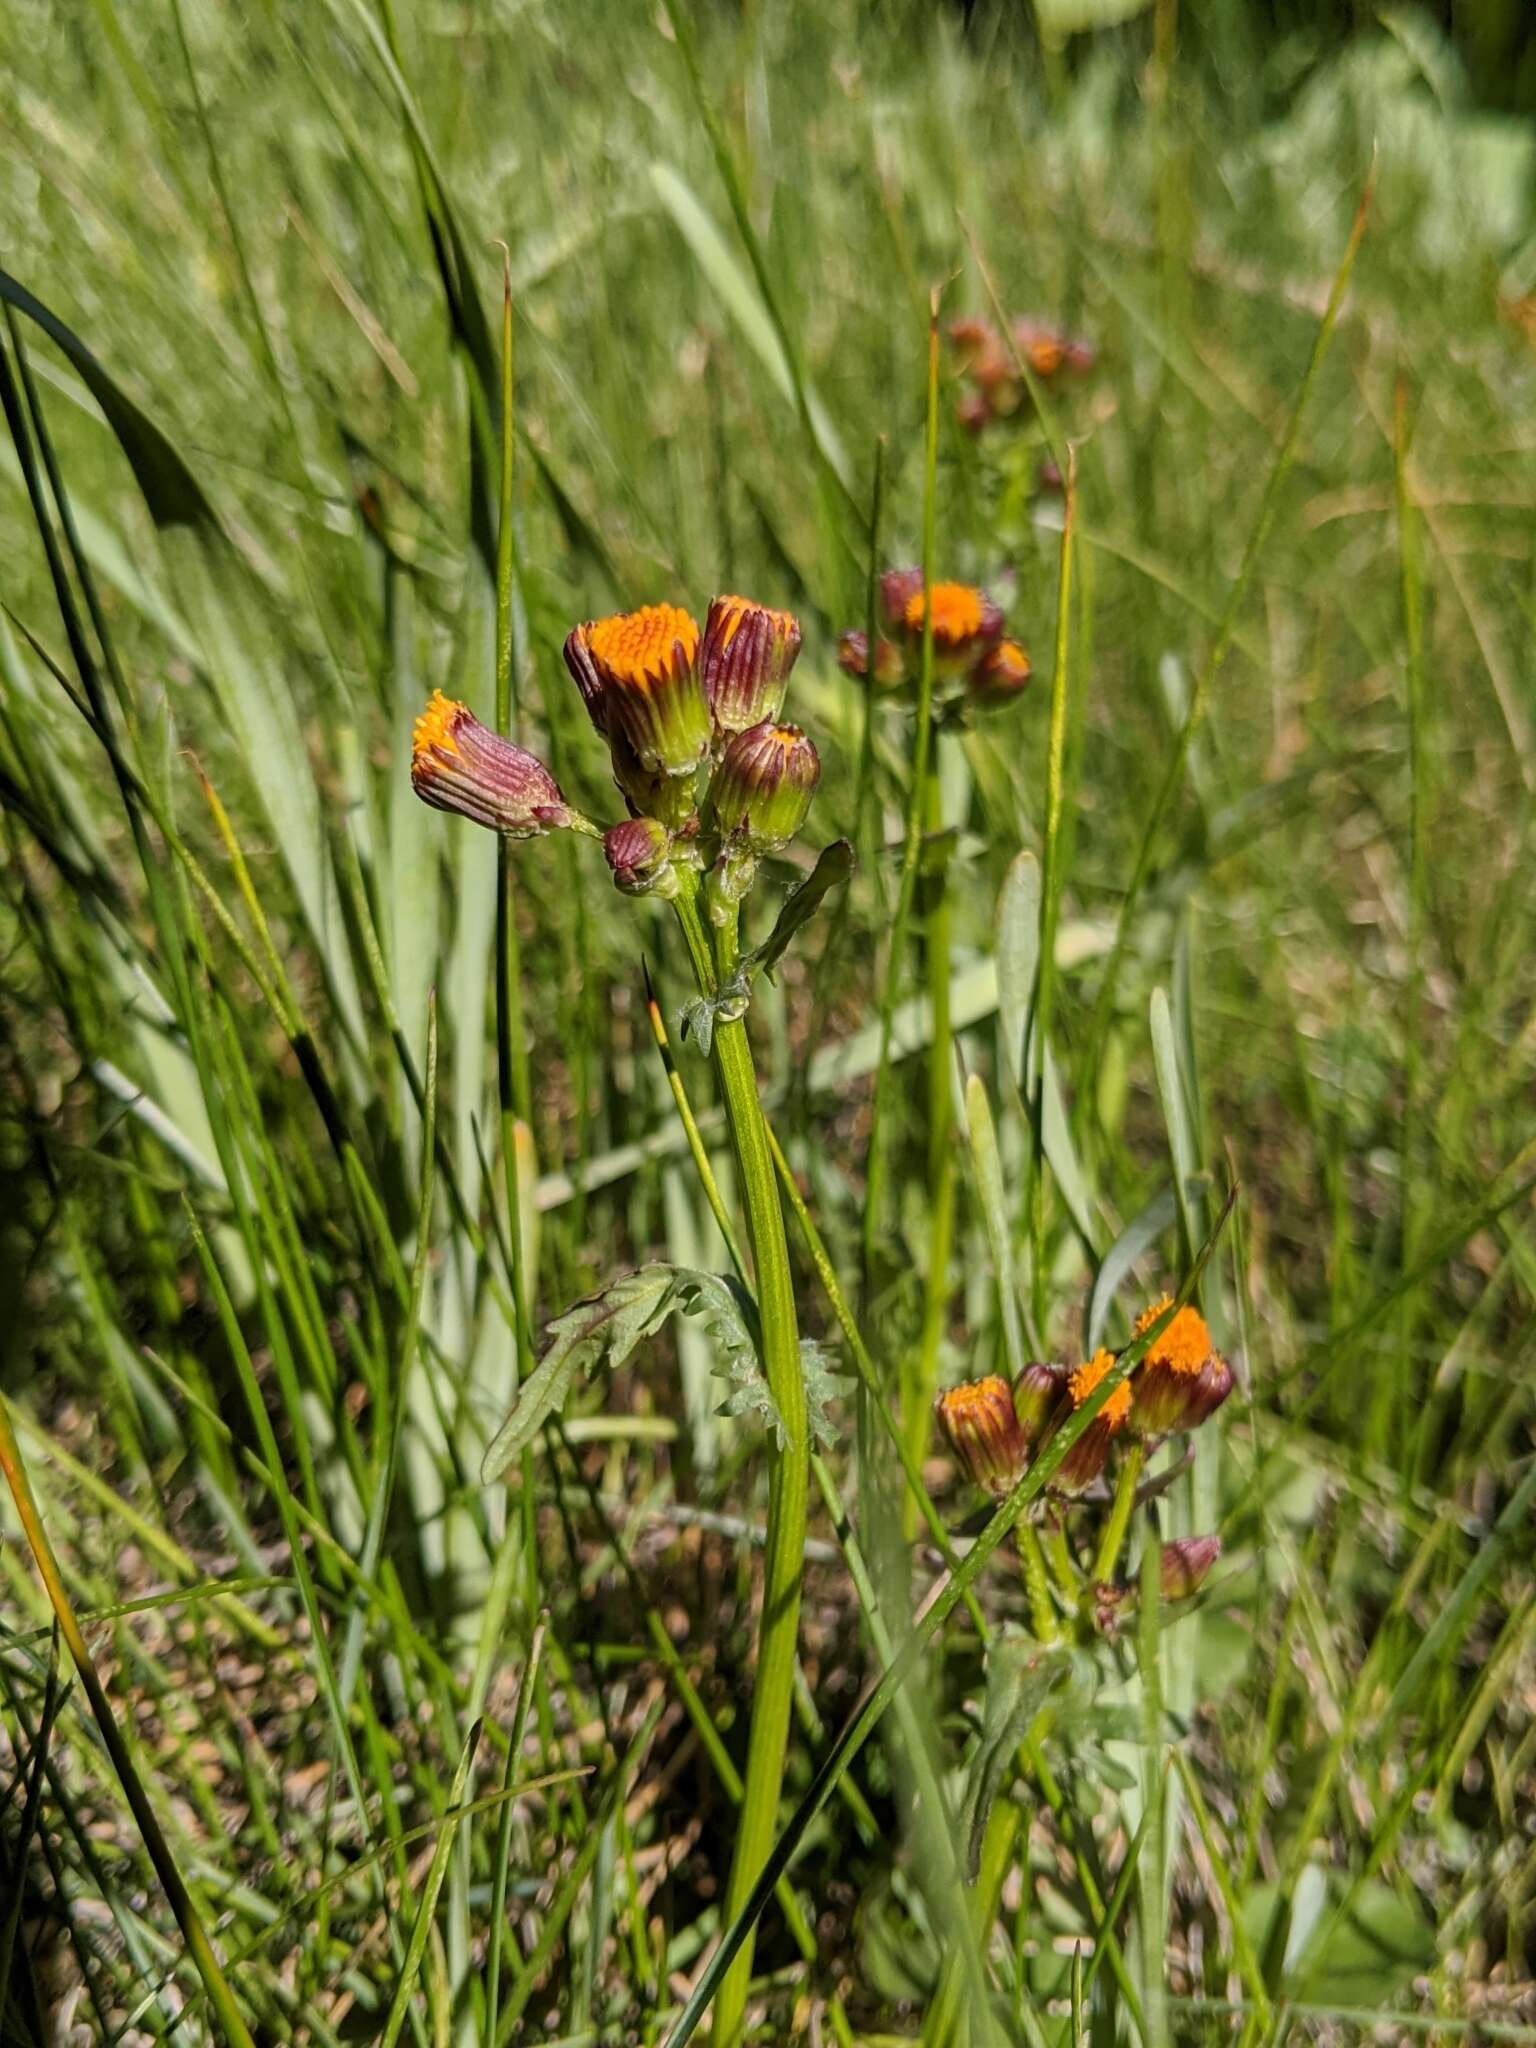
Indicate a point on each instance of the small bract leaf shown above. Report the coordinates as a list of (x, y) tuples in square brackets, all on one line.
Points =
[(833, 867)]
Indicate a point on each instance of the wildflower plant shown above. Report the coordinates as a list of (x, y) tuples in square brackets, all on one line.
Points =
[(997, 1429), (713, 782)]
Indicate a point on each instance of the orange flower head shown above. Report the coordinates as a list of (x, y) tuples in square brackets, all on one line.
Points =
[(965, 623), (984, 1432), (638, 677), (1082, 1383), (1183, 1378), (1186, 1343), (639, 650), (460, 765)]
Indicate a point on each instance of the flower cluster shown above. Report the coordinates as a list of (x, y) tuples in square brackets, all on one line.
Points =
[(991, 368), (974, 664), (997, 1431), (708, 775)]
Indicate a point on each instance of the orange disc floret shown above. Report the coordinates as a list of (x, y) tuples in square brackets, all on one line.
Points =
[(1184, 1346), (437, 725), (1081, 1384), (638, 648), (957, 612)]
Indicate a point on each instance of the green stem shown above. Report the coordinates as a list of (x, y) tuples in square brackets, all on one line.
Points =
[(1064, 1572), (512, 1076), (1037, 1584), (879, 1136), (1120, 1514), (788, 1476), (923, 1378), (1050, 894)]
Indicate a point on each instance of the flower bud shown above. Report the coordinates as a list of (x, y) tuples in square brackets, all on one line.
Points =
[(638, 677), (1183, 1379), (1183, 1566), (1086, 1459), (639, 852), (1001, 675), (458, 764), (853, 660), (965, 624), (983, 1430), (897, 589), (763, 786), (744, 661), (1037, 1395), (973, 411), (1043, 348)]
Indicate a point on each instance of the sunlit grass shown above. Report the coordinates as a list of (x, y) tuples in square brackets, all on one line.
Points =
[(287, 1154)]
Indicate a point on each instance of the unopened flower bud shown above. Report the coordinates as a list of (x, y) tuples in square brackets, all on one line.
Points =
[(458, 764), (744, 662), (973, 411), (638, 677), (853, 660), (639, 853), (897, 589), (1183, 1566), (1086, 1459), (1037, 1394), (983, 1430), (763, 786), (1001, 675), (1183, 1379)]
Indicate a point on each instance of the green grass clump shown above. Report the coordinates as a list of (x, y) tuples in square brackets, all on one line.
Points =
[(317, 1108)]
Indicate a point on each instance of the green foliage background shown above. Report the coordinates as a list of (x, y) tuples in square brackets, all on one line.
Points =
[(264, 241)]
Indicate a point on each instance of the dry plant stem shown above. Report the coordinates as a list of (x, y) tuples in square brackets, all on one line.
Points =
[(220, 1997), (788, 1475)]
